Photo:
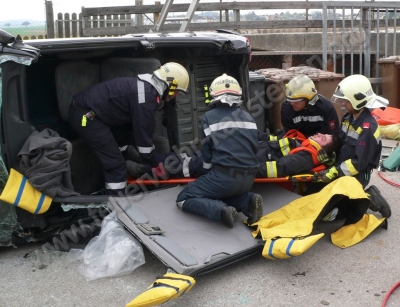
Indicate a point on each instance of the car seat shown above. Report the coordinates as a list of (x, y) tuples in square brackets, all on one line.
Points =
[(127, 67)]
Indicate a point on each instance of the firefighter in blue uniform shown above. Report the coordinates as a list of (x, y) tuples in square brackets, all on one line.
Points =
[(360, 136), (122, 101), (229, 140), (278, 157), (307, 111)]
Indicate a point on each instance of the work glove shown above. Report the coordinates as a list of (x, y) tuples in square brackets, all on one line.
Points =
[(327, 175), (325, 159), (160, 172)]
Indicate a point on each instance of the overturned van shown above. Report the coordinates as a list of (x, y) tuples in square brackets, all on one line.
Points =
[(37, 81)]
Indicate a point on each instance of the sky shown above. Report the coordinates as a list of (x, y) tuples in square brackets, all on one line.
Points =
[(35, 9)]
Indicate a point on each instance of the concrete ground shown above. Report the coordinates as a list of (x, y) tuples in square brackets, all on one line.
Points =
[(325, 275)]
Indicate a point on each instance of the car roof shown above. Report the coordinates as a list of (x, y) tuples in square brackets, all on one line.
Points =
[(237, 43)]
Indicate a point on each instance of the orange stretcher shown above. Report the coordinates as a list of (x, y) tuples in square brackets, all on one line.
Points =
[(287, 179)]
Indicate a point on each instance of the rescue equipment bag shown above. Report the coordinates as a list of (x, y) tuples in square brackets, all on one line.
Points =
[(165, 288), (393, 160), (20, 193)]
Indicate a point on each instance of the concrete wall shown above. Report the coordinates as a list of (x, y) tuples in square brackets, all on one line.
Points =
[(311, 42)]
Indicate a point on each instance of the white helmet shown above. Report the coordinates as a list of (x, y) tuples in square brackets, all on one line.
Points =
[(358, 90), (226, 90), (173, 71), (301, 87), (225, 85)]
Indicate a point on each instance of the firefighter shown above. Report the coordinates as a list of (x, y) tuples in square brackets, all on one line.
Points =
[(307, 111), (132, 100), (229, 140), (360, 136)]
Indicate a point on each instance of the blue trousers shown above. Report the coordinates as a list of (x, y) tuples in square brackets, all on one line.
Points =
[(209, 193)]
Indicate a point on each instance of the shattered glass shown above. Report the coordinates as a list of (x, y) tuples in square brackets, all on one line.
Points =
[(8, 216)]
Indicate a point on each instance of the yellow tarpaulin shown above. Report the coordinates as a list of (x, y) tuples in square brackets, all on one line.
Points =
[(20, 193), (165, 288), (295, 221)]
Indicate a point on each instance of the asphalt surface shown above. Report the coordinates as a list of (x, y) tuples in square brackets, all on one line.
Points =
[(325, 275)]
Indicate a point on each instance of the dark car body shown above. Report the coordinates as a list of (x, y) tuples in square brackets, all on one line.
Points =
[(39, 77)]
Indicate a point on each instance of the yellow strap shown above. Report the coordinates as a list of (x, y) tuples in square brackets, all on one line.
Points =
[(84, 121)]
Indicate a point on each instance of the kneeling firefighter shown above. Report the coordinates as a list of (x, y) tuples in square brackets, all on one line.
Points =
[(229, 140), (360, 136), (121, 101)]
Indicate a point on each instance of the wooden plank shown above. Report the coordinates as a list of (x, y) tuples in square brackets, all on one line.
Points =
[(67, 25), (260, 5), (74, 25), (80, 25), (60, 25), (277, 24), (274, 24), (50, 19)]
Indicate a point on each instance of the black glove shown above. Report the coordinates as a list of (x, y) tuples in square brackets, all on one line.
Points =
[(327, 175), (325, 159)]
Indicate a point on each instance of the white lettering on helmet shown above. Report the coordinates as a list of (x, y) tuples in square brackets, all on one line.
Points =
[(226, 81)]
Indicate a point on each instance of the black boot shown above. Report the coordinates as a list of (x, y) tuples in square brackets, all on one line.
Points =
[(255, 209), (378, 202), (229, 216), (132, 154), (135, 169)]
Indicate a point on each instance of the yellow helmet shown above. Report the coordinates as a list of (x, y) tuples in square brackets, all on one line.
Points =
[(358, 90), (300, 87), (173, 71), (225, 85)]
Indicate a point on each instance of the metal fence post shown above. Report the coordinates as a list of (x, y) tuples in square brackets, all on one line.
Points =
[(49, 19)]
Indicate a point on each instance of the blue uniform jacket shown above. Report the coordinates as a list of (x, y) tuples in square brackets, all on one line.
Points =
[(318, 118), (361, 145), (229, 138), (125, 100)]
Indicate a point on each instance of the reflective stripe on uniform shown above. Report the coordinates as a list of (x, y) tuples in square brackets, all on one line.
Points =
[(377, 134), (313, 119), (348, 168), (271, 169), (207, 165), (140, 91), (229, 125), (284, 146), (115, 185), (146, 149), (349, 130), (185, 164), (123, 148), (273, 138)]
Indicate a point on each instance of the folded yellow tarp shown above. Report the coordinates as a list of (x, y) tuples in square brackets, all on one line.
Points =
[(165, 288), (20, 193), (287, 231)]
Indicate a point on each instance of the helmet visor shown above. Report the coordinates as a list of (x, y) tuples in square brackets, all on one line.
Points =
[(378, 102), (295, 100), (338, 93)]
